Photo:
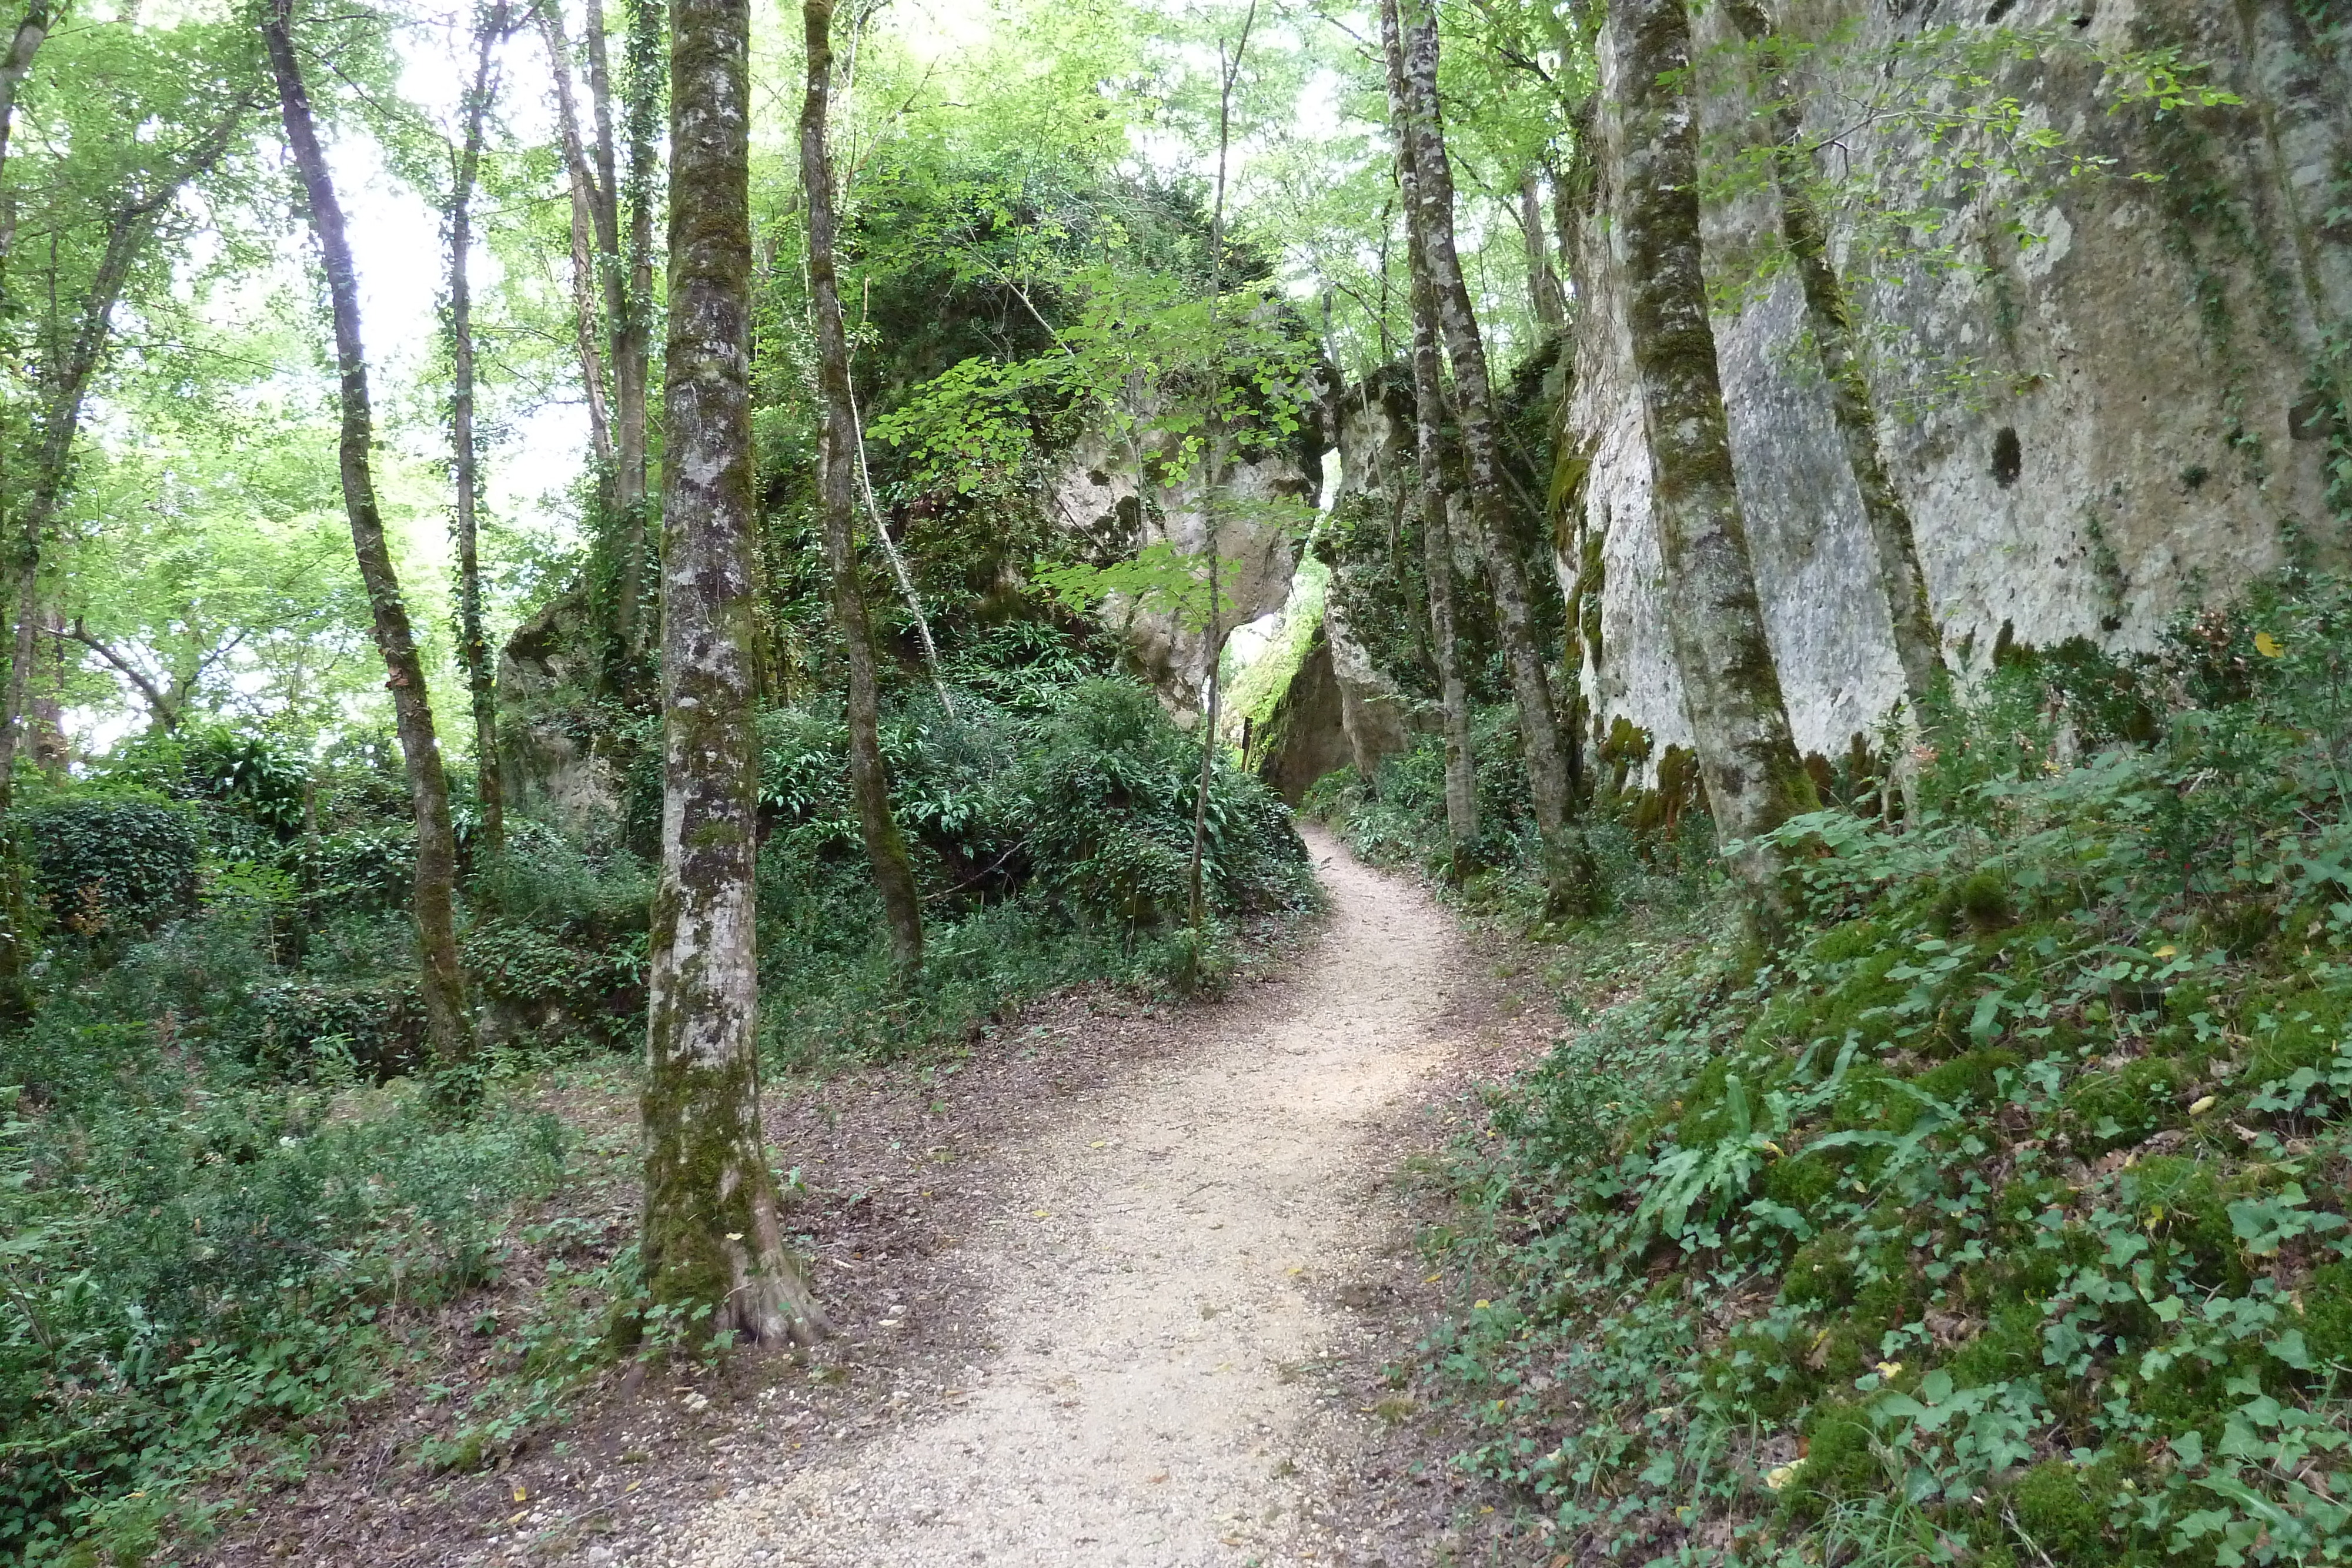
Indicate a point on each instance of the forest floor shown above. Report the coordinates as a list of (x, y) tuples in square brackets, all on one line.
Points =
[(1123, 1290)]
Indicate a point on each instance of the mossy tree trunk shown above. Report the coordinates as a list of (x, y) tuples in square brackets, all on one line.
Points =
[(894, 877), (1429, 473), (713, 1233), (1714, 622), (465, 457), (632, 327), (1411, 40), (444, 982), (1829, 312)]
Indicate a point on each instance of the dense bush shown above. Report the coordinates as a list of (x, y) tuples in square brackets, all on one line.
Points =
[(1999, 1217), (104, 866), (1053, 842)]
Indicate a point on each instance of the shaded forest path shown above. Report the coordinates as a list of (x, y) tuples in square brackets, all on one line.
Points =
[(1159, 1270)]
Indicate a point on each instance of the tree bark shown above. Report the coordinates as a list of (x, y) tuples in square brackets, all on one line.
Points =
[(894, 878), (1918, 647), (465, 460), (587, 210), (1731, 688), (1567, 864), (632, 328), (713, 1234), (444, 982), (1436, 533), (1545, 295)]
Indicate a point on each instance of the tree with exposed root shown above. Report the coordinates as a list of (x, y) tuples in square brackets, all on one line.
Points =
[(435, 899), (838, 455), (713, 1233)]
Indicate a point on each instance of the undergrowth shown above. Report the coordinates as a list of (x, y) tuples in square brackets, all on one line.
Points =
[(230, 1213), (1998, 1217)]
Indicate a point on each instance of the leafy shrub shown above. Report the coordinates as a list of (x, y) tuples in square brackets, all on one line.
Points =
[(105, 866), (2010, 1192)]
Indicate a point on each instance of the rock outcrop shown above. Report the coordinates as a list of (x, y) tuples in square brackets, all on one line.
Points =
[(1264, 500), (552, 769), (2089, 432)]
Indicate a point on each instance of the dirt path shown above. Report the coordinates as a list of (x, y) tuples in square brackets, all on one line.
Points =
[(1156, 1272)]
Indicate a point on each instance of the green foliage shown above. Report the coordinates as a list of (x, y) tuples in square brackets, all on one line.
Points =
[(197, 1257), (2009, 1195), (1053, 845), (110, 867)]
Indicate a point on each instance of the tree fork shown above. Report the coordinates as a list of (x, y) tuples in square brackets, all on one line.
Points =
[(1568, 863)]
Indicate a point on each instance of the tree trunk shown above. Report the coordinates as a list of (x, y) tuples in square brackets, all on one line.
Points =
[(713, 1234), (1715, 624), (1214, 457), (1918, 647), (1544, 293), (52, 752), (894, 878), (587, 209), (1568, 868), (64, 385), (14, 65), (1436, 534), (473, 646), (632, 328), (444, 983)]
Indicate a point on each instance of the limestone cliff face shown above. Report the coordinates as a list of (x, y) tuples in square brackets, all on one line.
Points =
[(2090, 433), (1373, 423)]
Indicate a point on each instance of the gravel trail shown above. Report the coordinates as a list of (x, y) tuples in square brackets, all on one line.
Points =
[(1156, 1272)]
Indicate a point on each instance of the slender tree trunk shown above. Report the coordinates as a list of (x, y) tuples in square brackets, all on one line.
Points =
[(51, 750), (1215, 456), (632, 327), (587, 206), (838, 458), (1436, 533), (64, 385), (898, 558), (713, 1235), (1715, 623), (444, 982), (14, 65), (1544, 294), (463, 459), (1918, 647), (1567, 864)]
